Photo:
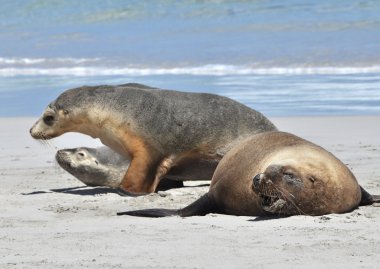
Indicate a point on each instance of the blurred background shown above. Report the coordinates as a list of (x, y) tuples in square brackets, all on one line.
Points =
[(283, 58)]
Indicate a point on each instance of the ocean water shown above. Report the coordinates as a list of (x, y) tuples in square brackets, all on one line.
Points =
[(282, 58)]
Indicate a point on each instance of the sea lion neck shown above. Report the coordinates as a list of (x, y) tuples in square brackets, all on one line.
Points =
[(97, 123)]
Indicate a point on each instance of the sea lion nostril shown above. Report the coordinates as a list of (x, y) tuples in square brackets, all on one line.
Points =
[(256, 180)]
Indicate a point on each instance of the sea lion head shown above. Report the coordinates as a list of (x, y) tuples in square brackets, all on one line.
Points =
[(83, 164), (289, 189), (67, 113)]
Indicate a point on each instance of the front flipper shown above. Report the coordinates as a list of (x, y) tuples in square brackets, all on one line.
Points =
[(123, 192), (200, 207), (140, 176), (145, 173)]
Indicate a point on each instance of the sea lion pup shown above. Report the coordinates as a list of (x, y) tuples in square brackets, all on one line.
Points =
[(276, 173), (105, 167), (158, 130), (94, 167)]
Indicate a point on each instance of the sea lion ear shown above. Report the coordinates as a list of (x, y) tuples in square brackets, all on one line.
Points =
[(316, 183)]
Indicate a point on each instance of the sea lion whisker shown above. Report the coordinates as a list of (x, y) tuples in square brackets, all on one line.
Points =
[(282, 192), (268, 190), (284, 196), (270, 194), (296, 207), (45, 141)]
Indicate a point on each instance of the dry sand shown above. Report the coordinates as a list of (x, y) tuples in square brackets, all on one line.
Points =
[(48, 219)]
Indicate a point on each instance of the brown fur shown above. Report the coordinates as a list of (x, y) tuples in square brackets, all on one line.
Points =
[(276, 173), (333, 189)]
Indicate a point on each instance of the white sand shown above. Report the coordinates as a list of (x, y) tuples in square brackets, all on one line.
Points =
[(49, 220)]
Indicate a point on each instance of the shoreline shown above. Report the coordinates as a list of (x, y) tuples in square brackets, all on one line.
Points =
[(49, 219)]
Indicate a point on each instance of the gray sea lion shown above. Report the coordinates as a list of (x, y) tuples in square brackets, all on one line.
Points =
[(158, 130), (94, 166), (105, 167), (276, 173)]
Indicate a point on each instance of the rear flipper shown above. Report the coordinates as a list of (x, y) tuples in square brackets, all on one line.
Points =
[(151, 213), (200, 207), (368, 199)]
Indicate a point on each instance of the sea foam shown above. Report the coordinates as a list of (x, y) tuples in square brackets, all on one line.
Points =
[(10, 67)]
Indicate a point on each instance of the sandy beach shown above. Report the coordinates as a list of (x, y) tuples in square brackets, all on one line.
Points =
[(48, 219)]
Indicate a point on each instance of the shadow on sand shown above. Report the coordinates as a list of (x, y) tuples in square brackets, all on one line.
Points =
[(87, 190), (268, 218), (82, 190)]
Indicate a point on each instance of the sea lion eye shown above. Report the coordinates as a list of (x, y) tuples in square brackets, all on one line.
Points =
[(48, 120), (289, 177), (65, 112)]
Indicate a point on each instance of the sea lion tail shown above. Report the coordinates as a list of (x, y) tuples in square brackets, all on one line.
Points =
[(200, 207), (368, 199)]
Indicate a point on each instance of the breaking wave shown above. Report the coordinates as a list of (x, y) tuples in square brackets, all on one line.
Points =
[(10, 67), (37, 61)]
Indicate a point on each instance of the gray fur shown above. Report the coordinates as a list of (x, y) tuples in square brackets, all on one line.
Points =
[(172, 121), (105, 167), (163, 133), (97, 167)]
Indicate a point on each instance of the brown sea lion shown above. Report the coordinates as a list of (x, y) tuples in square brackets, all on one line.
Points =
[(276, 173), (158, 130)]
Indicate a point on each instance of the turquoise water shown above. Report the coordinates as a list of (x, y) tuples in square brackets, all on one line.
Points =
[(280, 57)]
